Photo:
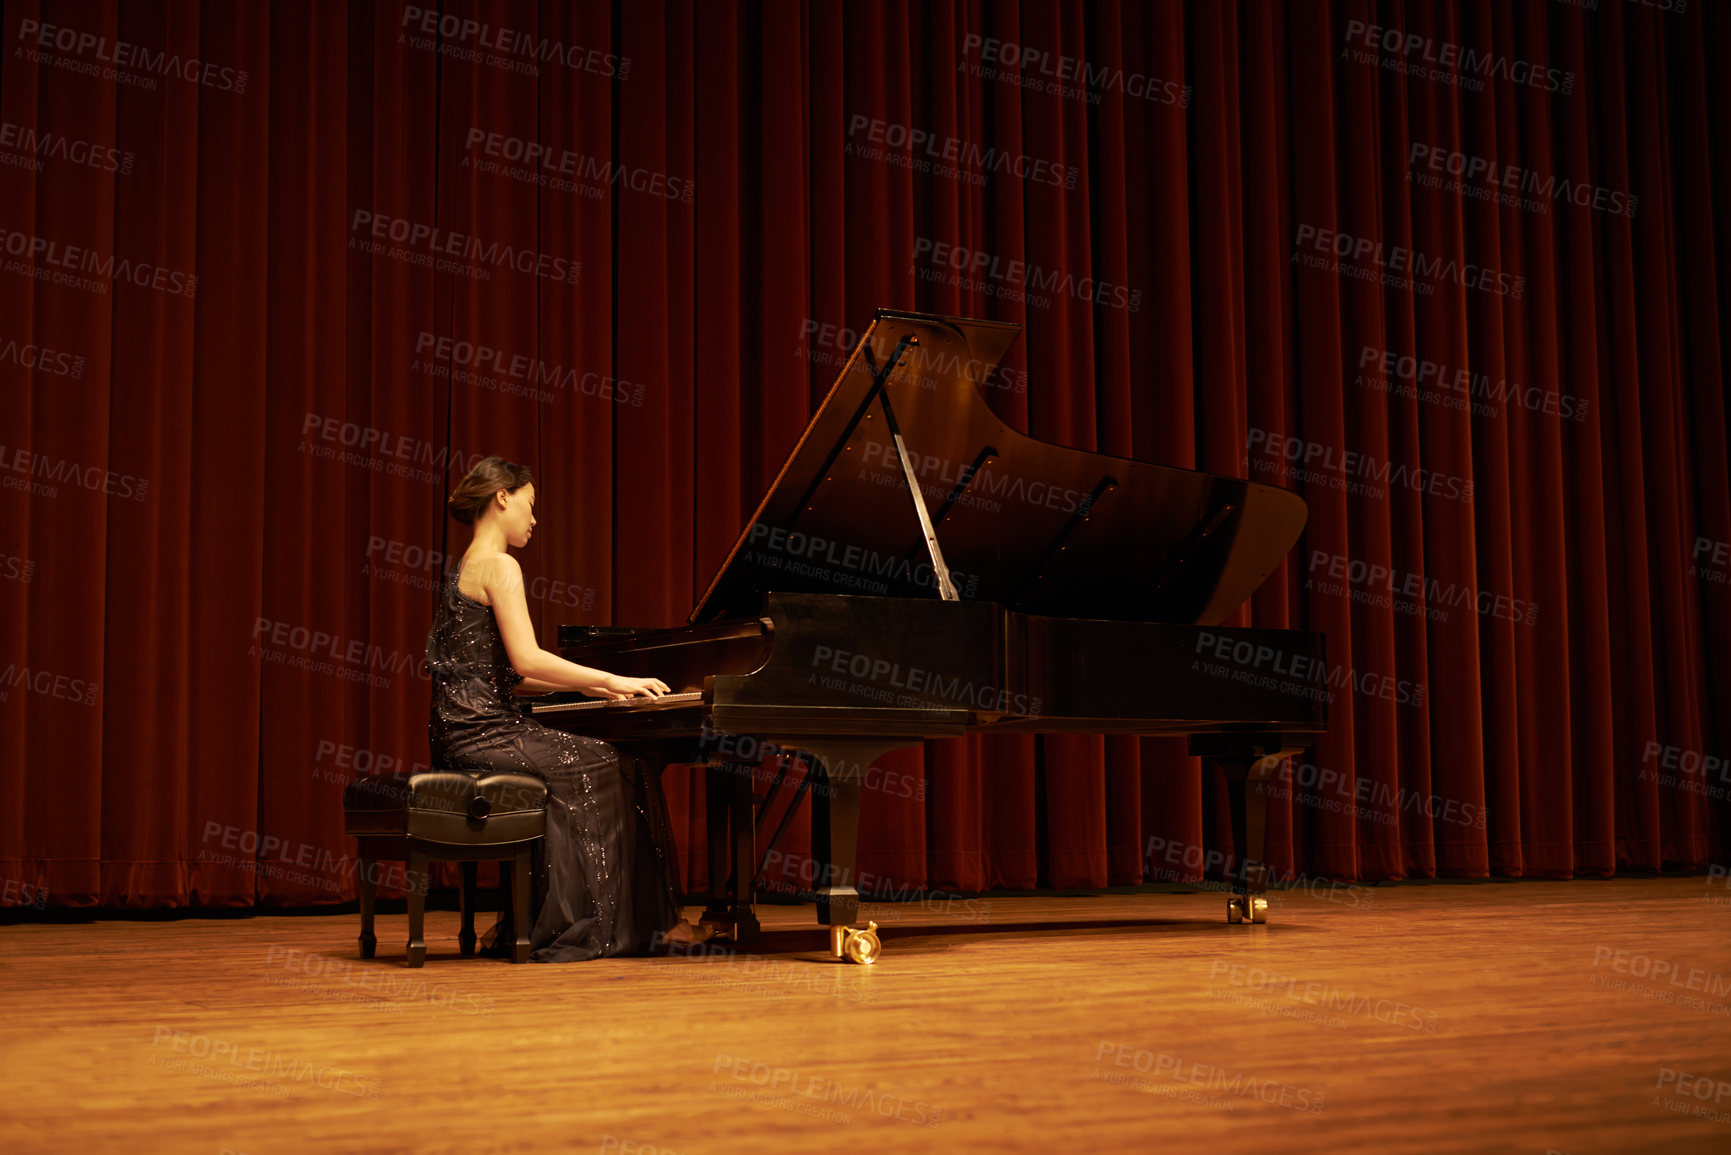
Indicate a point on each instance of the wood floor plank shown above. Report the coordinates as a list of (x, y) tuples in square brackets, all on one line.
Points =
[(1576, 1017)]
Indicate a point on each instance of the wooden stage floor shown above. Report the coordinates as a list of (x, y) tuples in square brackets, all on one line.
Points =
[(1571, 1017)]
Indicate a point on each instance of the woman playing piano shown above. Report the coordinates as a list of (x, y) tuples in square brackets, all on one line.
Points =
[(608, 878)]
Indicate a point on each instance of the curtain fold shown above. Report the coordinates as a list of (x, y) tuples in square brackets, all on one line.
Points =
[(273, 276)]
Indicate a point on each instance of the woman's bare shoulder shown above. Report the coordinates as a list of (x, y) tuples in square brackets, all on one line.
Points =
[(491, 569), (478, 561)]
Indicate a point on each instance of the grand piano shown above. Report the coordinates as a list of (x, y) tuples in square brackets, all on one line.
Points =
[(920, 569)]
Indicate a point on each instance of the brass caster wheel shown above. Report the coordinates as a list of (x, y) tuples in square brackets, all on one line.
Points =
[(854, 944), (862, 946), (1243, 908)]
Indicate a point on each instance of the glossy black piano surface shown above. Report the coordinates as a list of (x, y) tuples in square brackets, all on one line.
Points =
[(920, 569)]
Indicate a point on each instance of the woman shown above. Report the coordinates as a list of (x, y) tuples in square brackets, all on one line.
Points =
[(609, 874)]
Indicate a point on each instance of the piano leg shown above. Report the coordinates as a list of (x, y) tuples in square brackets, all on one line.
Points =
[(1249, 763), (835, 841), (1249, 800), (732, 851), (715, 812)]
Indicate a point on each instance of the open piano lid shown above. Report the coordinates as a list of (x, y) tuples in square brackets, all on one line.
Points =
[(1035, 527)]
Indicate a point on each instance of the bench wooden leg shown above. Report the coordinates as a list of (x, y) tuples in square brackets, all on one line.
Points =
[(520, 906), (466, 936), (366, 887), (417, 882)]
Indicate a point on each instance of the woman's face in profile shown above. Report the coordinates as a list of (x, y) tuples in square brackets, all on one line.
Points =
[(517, 519)]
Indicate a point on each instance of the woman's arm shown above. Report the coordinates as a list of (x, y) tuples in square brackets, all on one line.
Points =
[(502, 578)]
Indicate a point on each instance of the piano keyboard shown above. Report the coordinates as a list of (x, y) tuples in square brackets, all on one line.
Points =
[(635, 703)]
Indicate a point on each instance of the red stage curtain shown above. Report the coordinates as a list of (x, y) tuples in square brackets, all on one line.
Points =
[(274, 275)]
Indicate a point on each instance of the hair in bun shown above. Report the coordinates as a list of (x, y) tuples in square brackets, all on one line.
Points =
[(491, 474)]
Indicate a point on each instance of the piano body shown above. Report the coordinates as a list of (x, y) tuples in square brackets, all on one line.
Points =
[(920, 569)]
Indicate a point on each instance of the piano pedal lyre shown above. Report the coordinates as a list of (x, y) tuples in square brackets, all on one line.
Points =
[(1244, 908), (855, 944)]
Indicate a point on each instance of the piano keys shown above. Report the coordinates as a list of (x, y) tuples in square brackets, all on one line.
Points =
[(919, 569)]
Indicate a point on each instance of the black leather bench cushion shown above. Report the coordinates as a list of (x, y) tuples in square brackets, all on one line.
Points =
[(456, 807)]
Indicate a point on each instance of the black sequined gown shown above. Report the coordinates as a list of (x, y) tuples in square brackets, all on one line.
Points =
[(606, 880)]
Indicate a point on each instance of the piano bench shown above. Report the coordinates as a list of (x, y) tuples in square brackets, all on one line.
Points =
[(467, 816)]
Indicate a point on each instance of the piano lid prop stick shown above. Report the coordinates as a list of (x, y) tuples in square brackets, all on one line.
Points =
[(946, 587)]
